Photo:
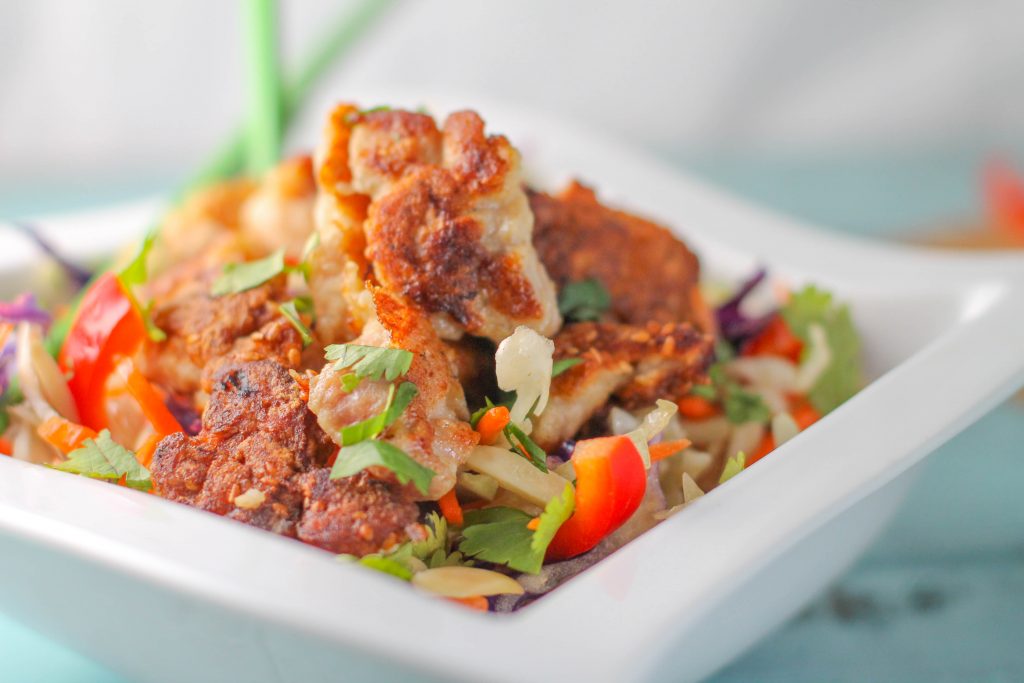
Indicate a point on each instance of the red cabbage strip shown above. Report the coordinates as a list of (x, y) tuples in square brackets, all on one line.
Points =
[(24, 309), (735, 327), (75, 273)]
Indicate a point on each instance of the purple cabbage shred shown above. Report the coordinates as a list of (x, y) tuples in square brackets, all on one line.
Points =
[(76, 274), (734, 325), (187, 416), (24, 309)]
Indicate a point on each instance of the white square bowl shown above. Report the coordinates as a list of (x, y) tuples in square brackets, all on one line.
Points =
[(162, 592)]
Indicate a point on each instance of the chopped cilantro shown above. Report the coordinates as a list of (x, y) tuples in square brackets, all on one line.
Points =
[(103, 458), (240, 277), (583, 300), (501, 535), (738, 404), (289, 310), (434, 551), (356, 458), (518, 438), (137, 270), (371, 427), (370, 362), (733, 466), (560, 366), (350, 381), (844, 375), (312, 242)]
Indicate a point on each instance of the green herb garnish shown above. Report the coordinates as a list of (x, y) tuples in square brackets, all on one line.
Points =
[(370, 428), (560, 366), (844, 375), (370, 362), (583, 300), (103, 458), (290, 310), (501, 534), (240, 277), (356, 458), (518, 438)]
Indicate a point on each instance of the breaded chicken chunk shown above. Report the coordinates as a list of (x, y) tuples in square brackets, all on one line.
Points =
[(635, 366), (448, 225), (260, 439), (279, 213), (651, 275), (205, 331), (433, 429)]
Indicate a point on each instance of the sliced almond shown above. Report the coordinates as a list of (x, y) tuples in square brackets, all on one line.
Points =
[(465, 582)]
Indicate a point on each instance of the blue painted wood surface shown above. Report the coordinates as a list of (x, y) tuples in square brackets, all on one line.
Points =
[(940, 597)]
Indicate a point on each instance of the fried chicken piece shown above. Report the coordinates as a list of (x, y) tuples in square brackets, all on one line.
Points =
[(259, 435), (358, 515), (205, 332), (433, 428), (279, 213), (635, 366), (449, 226), (650, 274), (338, 267)]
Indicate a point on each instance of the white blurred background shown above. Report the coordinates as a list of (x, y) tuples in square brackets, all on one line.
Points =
[(100, 99)]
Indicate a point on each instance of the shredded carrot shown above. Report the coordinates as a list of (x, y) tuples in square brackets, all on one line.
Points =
[(63, 434), (764, 447), (695, 407), (533, 524), (450, 508), (660, 451), (149, 399), (477, 602), (491, 423), (804, 414), (6, 448), (147, 449)]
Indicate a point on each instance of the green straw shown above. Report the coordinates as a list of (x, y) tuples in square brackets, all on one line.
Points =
[(263, 134), (230, 159)]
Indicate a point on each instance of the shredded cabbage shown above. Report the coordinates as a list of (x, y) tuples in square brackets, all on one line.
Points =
[(523, 365)]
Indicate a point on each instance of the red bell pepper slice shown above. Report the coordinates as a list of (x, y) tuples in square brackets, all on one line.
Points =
[(106, 326), (610, 484), (776, 339)]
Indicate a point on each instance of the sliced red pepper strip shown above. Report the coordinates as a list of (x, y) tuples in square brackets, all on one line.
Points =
[(106, 325), (610, 484), (1004, 196)]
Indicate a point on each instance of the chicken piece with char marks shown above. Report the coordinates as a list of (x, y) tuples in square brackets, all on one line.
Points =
[(433, 429)]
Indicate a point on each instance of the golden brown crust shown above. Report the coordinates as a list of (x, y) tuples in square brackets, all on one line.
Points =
[(433, 428), (650, 274), (449, 226), (630, 365)]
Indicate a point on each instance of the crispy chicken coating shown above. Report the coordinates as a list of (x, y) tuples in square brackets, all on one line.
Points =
[(205, 332), (634, 365), (279, 213), (650, 274), (258, 435), (433, 428)]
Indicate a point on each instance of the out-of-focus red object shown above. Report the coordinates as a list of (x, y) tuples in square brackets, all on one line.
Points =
[(1004, 197)]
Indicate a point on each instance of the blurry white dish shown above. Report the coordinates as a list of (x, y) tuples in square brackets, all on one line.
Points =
[(163, 592)]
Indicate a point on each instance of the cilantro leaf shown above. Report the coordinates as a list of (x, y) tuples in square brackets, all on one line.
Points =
[(350, 381), (370, 362), (583, 300), (844, 375), (240, 277), (560, 366), (733, 466), (479, 412), (742, 406), (356, 458), (394, 406), (517, 437), (290, 311), (501, 535), (137, 270), (434, 551), (103, 458)]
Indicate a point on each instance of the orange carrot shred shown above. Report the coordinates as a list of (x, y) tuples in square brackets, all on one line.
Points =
[(450, 508), (533, 524), (477, 602), (64, 435), (147, 449), (697, 407), (660, 451), (491, 423)]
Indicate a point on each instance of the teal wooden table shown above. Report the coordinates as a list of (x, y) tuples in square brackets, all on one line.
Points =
[(940, 597)]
